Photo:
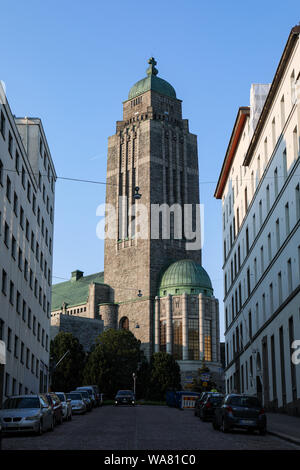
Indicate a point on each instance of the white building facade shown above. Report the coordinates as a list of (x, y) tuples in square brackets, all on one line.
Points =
[(259, 186), (27, 180)]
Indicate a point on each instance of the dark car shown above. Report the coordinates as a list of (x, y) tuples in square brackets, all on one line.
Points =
[(210, 403), (199, 402), (125, 397), (240, 411), (56, 406)]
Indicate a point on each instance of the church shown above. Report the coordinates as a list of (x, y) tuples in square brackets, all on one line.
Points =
[(153, 283)]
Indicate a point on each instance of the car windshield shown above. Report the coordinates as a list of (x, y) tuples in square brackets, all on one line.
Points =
[(124, 392), (85, 393), (248, 402), (215, 399), (21, 402), (60, 396), (86, 390), (74, 396)]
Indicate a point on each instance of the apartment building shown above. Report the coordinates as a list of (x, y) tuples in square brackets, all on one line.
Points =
[(27, 181), (259, 186)]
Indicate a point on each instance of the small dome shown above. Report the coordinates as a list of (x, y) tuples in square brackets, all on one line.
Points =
[(185, 276), (152, 82)]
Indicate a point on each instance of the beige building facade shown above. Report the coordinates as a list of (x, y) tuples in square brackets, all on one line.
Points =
[(259, 189)]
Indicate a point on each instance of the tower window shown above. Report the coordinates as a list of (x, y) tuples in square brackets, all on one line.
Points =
[(124, 323)]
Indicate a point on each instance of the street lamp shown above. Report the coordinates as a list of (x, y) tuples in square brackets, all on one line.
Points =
[(134, 379), (137, 195)]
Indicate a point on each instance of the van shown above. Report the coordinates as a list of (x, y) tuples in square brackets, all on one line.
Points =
[(94, 391)]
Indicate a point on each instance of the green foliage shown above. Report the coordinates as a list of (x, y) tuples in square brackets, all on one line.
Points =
[(164, 375), (112, 362), (68, 374)]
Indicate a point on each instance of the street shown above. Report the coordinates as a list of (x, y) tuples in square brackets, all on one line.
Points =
[(142, 428)]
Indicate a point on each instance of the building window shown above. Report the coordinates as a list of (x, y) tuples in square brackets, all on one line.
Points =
[(23, 177), (163, 335), (4, 282), (276, 182), (15, 207), (297, 195), (207, 341), (290, 278), (284, 164), (6, 234), (1, 172), (2, 125), (8, 188), (287, 219), (10, 143), (282, 112), (193, 339), (177, 339), (124, 323), (11, 292)]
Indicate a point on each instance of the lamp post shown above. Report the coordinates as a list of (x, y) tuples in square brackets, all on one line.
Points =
[(134, 380)]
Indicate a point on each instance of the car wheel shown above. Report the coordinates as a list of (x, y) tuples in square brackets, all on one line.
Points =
[(263, 432), (40, 428), (215, 425), (224, 427), (52, 425)]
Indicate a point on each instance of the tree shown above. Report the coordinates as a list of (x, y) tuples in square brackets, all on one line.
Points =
[(164, 375), (68, 374), (113, 361)]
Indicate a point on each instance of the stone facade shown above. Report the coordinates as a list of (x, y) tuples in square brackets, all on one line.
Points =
[(153, 150), (86, 330)]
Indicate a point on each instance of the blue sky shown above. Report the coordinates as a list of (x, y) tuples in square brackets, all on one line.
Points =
[(72, 63)]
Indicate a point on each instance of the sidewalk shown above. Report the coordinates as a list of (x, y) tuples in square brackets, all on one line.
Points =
[(284, 426)]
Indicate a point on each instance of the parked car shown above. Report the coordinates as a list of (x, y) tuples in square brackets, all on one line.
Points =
[(87, 399), (77, 402), (125, 397), (91, 392), (56, 406), (210, 403), (240, 411), (66, 406), (98, 395), (199, 402), (26, 413)]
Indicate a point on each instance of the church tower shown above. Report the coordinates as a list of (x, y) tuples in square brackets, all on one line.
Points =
[(153, 156)]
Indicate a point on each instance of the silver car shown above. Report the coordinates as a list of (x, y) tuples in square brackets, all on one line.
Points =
[(66, 406), (26, 413), (77, 402)]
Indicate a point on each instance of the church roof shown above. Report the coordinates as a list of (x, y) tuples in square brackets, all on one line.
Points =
[(152, 82), (185, 276), (75, 291)]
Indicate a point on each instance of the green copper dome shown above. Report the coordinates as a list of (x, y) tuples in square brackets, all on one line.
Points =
[(152, 82), (185, 276)]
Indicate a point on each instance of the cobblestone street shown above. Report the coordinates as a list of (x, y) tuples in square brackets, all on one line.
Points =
[(142, 428)]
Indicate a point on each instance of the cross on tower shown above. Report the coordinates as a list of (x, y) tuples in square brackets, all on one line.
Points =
[(151, 70)]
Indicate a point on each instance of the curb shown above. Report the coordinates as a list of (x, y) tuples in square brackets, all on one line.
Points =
[(285, 437)]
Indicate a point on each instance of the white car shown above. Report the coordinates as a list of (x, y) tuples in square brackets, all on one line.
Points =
[(21, 413), (66, 406), (77, 402)]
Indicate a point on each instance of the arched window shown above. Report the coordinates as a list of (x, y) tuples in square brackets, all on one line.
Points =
[(124, 323)]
